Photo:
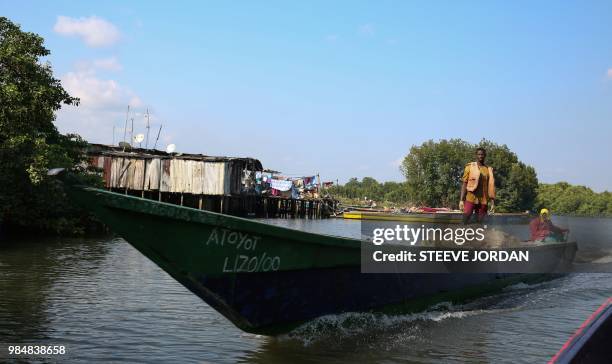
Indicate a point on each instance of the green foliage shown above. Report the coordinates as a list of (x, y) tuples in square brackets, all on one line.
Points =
[(29, 141), (395, 192), (563, 198), (520, 189), (433, 173)]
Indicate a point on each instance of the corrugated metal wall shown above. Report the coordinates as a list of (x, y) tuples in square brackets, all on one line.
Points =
[(171, 175)]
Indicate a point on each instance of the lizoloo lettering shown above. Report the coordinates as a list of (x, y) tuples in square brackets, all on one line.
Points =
[(257, 263), (262, 262)]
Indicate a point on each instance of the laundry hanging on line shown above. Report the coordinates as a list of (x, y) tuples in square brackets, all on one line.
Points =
[(281, 185)]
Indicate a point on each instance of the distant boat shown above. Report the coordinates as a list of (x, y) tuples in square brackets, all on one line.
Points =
[(268, 279), (442, 217)]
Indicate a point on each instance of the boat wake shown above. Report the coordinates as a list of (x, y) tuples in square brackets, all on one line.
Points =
[(372, 327), (605, 259), (599, 261), (362, 326), (523, 286)]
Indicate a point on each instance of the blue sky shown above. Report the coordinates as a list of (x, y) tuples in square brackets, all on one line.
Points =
[(341, 88)]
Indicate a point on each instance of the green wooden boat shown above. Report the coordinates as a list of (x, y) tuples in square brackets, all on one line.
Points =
[(268, 279)]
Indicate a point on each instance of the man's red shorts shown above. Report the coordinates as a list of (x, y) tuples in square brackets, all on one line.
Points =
[(479, 209)]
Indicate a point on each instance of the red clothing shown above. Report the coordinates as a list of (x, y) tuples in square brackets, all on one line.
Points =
[(479, 209), (541, 229)]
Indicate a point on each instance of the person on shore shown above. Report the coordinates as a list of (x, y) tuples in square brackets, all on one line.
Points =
[(477, 189), (543, 230)]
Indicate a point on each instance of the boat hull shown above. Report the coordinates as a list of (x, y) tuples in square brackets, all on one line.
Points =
[(267, 279), (275, 302)]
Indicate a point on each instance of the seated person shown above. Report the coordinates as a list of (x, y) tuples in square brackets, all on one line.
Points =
[(543, 230)]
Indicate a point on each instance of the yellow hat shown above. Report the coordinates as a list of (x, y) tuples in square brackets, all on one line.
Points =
[(544, 211)]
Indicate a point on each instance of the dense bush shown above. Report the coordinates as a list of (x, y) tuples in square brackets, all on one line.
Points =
[(30, 143)]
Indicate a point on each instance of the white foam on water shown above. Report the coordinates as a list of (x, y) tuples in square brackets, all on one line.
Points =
[(361, 326), (352, 324), (603, 260), (521, 286), (365, 328)]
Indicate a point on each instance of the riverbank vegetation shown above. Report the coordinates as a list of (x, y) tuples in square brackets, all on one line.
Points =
[(433, 174), (562, 198), (30, 144), (565, 199)]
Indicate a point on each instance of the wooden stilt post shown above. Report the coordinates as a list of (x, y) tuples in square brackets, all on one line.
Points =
[(161, 172), (144, 174)]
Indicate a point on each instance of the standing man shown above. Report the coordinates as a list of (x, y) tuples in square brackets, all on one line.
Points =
[(478, 188)]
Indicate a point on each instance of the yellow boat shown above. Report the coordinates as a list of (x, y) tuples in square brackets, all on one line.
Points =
[(446, 217)]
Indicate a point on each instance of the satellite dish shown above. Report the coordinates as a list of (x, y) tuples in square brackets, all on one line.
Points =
[(139, 138), (170, 148)]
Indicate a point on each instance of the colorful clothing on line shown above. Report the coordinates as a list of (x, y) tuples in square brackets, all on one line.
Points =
[(281, 185)]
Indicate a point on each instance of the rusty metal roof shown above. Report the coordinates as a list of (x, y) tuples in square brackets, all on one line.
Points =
[(111, 150)]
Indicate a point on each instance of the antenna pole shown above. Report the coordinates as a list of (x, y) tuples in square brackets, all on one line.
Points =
[(113, 135), (127, 116), (132, 133), (148, 129), (156, 139)]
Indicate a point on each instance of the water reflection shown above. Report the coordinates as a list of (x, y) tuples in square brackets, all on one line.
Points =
[(32, 271)]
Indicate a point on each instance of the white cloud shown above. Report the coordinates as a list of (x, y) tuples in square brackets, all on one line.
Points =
[(103, 105), (609, 74), (96, 93), (94, 31)]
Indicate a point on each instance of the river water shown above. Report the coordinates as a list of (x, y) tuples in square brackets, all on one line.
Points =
[(107, 303)]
